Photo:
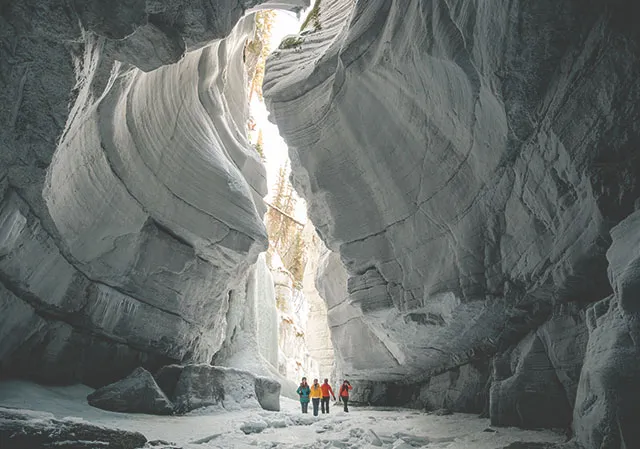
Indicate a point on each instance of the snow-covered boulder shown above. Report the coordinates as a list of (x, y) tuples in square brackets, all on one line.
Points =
[(137, 393), (199, 386), (255, 426), (25, 429)]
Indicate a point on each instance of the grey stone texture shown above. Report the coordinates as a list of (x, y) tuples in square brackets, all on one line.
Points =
[(526, 391), (463, 389), (466, 161), (608, 400), (136, 393), (190, 387), (21, 429), (130, 198)]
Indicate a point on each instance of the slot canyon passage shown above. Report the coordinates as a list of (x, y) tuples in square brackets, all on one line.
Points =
[(472, 252)]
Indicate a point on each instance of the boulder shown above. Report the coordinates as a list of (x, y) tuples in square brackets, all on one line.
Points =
[(22, 429), (137, 393), (197, 386), (268, 393), (167, 378), (255, 426)]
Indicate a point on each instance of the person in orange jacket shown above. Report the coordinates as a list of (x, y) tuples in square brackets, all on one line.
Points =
[(316, 395), (326, 392), (344, 394)]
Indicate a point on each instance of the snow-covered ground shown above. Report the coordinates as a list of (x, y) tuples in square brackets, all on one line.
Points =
[(285, 429)]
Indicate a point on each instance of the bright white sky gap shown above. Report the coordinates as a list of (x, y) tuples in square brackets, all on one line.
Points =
[(275, 149)]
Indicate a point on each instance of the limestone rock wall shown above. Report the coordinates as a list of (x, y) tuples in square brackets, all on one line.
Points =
[(130, 199), (608, 397), (456, 156), (465, 162)]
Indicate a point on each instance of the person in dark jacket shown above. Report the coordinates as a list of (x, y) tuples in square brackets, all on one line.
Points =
[(344, 394), (304, 391)]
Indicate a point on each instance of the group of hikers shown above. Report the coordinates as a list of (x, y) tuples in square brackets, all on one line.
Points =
[(320, 394)]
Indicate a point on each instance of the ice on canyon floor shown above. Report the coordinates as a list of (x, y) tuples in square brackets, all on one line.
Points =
[(362, 427)]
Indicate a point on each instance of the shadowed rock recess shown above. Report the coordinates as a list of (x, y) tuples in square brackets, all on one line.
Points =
[(465, 162), (471, 166)]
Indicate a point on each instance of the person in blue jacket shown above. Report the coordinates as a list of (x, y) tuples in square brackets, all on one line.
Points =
[(304, 391)]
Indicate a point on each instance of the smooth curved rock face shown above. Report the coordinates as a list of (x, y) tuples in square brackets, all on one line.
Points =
[(608, 399), (137, 393), (466, 159), (130, 199)]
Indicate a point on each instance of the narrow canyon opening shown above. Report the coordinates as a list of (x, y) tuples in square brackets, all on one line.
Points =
[(452, 224)]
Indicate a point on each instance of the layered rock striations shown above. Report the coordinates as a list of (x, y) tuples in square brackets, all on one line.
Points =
[(130, 197), (465, 161)]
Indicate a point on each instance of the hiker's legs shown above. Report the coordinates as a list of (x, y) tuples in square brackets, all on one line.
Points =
[(345, 400), (325, 404), (305, 407), (316, 403)]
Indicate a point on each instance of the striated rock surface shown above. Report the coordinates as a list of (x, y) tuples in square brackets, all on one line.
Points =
[(608, 398), (130, 199), (137, 393), (526, 391), (466, 160)]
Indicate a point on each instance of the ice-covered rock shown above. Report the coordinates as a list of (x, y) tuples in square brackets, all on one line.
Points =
[(253, 339), (318, 335), (294, 357), (255, 426), (137, 393), (22, 429), (196, 386)]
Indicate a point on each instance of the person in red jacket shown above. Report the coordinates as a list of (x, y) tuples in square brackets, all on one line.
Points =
[(344, 394), (327, 391)]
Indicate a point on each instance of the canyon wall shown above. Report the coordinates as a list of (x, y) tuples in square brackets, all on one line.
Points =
[(130, 199), (465, 162)]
